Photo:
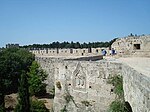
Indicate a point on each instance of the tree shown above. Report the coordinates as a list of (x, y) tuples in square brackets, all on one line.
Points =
[(36, 78), (131, 35), (70, 45), (2, 103), (12, 62), (24, 103)]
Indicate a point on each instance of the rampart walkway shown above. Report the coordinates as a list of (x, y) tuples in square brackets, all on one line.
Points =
[(142, 65)]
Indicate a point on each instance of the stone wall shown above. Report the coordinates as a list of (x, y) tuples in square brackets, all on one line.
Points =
[(136, 89), (133, 46), (68, 52), (48, 65), (87, 83)]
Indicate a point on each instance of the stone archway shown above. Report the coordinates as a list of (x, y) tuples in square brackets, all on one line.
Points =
[(128, 107)]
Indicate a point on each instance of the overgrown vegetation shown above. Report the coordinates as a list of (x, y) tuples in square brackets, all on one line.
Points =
[(58, 84), (52, 92), (38, 106), (19, 70), (67, 98), (117, 82), (35, 106), (119, 105), (36, 77), (23, 103), (86, 103), (13, 62)]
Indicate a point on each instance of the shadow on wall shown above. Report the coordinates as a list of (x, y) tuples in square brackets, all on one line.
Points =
[(89, 58)]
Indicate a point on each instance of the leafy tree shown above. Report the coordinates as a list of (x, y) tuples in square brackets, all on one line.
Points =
[(131, 35), (36, 78), (12, 62), (70, 45), (2, 104), (24, 103)]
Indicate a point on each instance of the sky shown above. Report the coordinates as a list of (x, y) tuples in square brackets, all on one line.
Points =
[(44, 21)]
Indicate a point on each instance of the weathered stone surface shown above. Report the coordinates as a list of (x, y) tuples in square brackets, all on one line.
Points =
[(86, 81), (136, 89), (133, 46)]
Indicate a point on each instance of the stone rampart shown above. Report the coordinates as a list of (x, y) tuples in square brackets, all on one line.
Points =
[(86, 82), (136, 89), (68, 52), (138, 46)]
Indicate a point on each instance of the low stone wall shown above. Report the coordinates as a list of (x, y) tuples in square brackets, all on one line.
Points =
[(136, 89)]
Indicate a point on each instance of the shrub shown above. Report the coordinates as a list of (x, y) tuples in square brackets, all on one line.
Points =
[(68, 97), (119, 104), (117, 82), (52, 92), (38, 106), (35, 106), (116, 106), (86, 103), (58, 85)]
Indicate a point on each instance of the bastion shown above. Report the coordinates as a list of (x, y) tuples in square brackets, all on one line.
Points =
[(81, 85)]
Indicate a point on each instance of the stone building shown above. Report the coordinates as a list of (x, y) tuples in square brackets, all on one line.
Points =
[(12, 45), (133, 46)]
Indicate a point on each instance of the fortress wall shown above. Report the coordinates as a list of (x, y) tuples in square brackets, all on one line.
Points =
[(133, 46), (67, 52), (86, 82), (136, 89), (48, 65)]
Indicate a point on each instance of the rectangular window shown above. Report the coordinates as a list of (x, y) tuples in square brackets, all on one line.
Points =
[(89, 50), (96, 50), (137, 46), (71, 51)]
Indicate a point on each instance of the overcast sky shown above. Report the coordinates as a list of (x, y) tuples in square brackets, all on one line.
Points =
[(45, 21)]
